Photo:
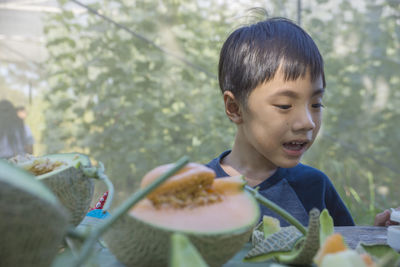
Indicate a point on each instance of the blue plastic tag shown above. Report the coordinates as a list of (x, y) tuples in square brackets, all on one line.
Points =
[(98, 213)]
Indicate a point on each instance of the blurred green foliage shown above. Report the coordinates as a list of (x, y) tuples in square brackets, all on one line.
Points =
[(120, 99), (358, 144)]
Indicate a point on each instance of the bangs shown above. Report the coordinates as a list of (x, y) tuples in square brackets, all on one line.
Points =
[(286, 46), (297, 62)]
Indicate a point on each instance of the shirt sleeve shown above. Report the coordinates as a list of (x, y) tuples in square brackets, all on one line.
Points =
[(315, 190), (337, 209)]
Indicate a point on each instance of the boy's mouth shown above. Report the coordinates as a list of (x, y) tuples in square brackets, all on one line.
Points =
[(295, 145)]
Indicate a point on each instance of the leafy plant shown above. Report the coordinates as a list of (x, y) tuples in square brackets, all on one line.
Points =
[(141, 91)]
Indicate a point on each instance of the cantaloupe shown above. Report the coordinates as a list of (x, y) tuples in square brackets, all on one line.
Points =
[(333, 244), (32, 221), (217, 216), (346, 258), (64, 175)]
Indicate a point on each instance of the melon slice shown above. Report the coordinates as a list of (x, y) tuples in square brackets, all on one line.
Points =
[(333, 244), (346, 258), (217, 216), (64, 175), (33, 222)]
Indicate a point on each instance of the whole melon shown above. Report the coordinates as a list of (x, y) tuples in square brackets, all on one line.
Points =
[(217, 216), (64, 175), (33, 222)]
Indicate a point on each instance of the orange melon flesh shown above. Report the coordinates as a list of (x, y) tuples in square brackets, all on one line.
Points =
[(230, 208), (367, 259), (232, 212), (333, 244), (187, 181)]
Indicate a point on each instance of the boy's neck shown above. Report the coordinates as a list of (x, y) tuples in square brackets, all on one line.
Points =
[(245, 161)]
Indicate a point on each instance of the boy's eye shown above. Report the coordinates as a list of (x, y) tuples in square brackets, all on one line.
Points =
[(283, 106), (318, 105)]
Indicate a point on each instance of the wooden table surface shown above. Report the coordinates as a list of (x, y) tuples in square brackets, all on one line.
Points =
[(365, 234), (352, 234)]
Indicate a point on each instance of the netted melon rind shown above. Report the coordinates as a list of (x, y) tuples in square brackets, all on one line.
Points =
[(136, 243), (74, 190), (68, 182), (31, 228)]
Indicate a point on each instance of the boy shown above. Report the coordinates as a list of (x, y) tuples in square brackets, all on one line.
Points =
[(271, 76)]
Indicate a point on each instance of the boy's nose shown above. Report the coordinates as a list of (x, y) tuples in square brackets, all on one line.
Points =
[(304, 121)]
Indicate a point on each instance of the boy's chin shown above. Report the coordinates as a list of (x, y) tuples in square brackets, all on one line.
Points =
[(289, 163)]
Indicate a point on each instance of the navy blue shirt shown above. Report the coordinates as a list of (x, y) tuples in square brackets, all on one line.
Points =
[(297, 190)]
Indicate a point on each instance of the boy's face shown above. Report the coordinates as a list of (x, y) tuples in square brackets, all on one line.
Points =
[(281, 120)]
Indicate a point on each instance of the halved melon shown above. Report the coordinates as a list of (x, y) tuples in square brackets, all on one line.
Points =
[(345, 258), (32, 223), (333, 244), (217, 215), (64, 175)]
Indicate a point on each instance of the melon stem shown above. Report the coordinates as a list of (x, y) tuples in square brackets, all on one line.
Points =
[(74, 233), (99, 229), (102, 176), (98, 173), (275, 208)]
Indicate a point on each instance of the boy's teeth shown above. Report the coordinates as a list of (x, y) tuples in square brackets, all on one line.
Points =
[(296, 143)]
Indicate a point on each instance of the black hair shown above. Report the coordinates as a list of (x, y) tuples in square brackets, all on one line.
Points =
[(20, 108), (252, 54)]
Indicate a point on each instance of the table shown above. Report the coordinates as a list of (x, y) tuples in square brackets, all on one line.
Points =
[(352, 234), (365, 234)]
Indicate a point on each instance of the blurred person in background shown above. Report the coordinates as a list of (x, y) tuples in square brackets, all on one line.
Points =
[(21, 112), (15, 137)]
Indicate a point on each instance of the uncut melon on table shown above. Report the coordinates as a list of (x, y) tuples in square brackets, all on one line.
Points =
[(65, 176), (32, 220), (217, 216)]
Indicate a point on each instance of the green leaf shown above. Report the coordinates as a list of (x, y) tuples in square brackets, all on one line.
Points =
[(183, 253), (326, 226), (382, 254)]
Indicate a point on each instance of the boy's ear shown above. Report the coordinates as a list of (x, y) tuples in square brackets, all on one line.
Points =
[(232, 107)]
